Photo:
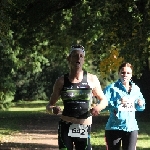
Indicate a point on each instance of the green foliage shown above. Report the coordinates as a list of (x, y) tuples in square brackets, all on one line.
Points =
[(5, 99), (34, 43), (7, 69)]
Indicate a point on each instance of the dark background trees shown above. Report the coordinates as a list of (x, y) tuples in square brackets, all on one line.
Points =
[(35, 37)]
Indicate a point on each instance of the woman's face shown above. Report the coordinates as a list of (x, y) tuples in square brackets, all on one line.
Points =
[(125, 74)]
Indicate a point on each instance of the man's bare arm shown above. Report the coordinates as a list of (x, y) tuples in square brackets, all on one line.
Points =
[(97, 91), (55, 96)]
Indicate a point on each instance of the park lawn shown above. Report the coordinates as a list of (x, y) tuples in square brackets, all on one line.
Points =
[(21, 111), (98, 140)]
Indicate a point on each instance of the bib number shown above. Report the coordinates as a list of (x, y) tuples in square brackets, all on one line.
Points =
[(129, 106), (77, 130)]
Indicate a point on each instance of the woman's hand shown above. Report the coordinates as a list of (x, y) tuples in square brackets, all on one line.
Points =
[(140, 102)]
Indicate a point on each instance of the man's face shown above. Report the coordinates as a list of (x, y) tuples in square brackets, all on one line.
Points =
[(76, 59), (125, 74)]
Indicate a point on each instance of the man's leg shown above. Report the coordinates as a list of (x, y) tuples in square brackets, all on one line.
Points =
[(83, 143), (64, 141)]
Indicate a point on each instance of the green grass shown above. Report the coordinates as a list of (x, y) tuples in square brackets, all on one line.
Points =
[(98, 141), (144, 135), (29, 106), (21, 112)]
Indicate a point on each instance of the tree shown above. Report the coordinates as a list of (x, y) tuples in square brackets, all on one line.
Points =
[(110, 64), (23, 55), (39, 32)]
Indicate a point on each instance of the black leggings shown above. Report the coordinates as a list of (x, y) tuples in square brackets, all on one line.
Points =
[(66, 142), (115, 137)]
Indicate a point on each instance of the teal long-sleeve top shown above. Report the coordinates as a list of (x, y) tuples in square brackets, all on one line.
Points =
[(122, 117)]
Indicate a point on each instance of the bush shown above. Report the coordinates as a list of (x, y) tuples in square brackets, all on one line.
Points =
[(6, 99)]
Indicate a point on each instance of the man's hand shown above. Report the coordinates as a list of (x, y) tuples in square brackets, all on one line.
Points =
[(95, 111), (53, 109), (56, 110)]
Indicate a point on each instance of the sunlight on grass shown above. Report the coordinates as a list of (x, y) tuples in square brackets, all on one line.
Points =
[(144, 135), (143, 141), (98, 138), (32, 106), (19, 112), (28, 109), (29, 106)]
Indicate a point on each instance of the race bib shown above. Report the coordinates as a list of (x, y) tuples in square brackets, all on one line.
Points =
[(77, 130), (129, 106)]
